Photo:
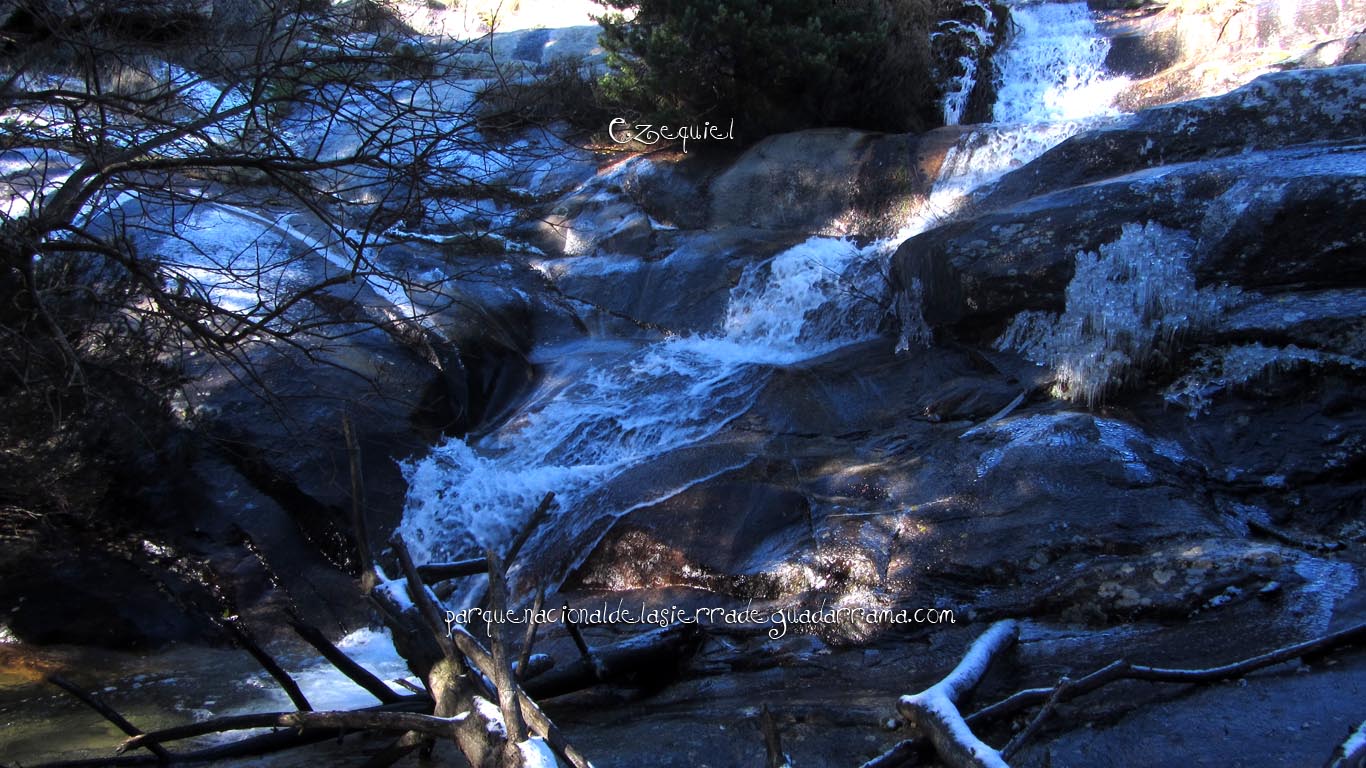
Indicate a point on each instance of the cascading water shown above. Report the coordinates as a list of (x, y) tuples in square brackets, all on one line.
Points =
[(602, 407), (1051, 84), (1054, 67), (587, 423)]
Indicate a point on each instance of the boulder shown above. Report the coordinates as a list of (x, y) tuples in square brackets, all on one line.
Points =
[(830, 181), (1239, 215), (92, 596)]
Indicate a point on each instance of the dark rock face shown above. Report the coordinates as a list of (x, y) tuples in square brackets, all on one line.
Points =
[(99, 598), (1245, 212), (1261, 305)]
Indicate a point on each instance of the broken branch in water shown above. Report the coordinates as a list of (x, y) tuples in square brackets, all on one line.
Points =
[(108, 713), (344, 720), (287, 683), (344, 664)]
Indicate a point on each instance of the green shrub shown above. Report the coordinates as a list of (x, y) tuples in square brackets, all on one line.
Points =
[(775, 65)]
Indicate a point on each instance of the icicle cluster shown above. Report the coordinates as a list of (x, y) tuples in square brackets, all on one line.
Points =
[(1126, 307)]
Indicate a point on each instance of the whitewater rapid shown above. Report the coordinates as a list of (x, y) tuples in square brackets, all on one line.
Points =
[(602, 407)]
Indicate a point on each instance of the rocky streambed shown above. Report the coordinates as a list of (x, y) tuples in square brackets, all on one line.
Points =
[(1097, 372)]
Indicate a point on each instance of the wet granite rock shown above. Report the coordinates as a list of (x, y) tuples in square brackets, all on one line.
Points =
[(1179, 51), (830, 181)]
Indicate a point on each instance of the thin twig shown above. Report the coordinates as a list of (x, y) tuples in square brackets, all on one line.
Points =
[(1019, 739), (532, 524)]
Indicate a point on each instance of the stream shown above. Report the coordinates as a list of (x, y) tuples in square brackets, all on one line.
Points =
[(603, 406)]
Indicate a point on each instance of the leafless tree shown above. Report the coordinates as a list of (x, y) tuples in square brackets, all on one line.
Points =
[(213, 176)]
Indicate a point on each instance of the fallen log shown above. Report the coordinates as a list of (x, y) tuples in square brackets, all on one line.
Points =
[(341, 720), (409, 704), (434, 572)]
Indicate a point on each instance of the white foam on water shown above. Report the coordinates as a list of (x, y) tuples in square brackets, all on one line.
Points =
[(328, 689), (1051, 85), (1053, 67), (974, 37)]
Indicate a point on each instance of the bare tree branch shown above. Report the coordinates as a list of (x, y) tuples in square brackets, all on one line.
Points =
[(150, 743)]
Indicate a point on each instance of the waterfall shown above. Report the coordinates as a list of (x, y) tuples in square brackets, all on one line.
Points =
[(602, 407), (1053, 67)]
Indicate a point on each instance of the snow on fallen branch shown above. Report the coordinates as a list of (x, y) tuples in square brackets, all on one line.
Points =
[(934, 711), (998, 638), (1351, 752)]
